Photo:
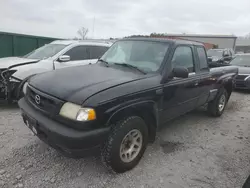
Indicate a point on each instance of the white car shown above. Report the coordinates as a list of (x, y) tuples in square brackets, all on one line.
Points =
[(15, 71)]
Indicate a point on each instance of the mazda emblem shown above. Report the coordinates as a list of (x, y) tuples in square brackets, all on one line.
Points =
[(37, 99)]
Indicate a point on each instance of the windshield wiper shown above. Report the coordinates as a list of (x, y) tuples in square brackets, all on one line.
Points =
[(130, 66), (101, 60)]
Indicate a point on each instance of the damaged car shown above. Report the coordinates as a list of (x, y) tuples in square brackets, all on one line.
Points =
[(15, 71)]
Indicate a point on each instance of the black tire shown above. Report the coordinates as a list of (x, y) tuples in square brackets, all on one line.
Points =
[(247, 183), (213, 106), (111, 150)]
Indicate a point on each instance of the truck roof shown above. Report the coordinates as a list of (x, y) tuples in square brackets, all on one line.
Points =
[(244, 54), (220, 49), (85, 42), (176, 41)]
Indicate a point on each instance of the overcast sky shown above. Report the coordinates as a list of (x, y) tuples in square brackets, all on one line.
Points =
[(114, 18)]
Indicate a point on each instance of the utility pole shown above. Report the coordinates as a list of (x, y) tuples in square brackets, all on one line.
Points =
[(93, 29)]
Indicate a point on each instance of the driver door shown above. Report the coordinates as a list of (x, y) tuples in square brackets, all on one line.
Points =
[(181, 94), (79, 55)]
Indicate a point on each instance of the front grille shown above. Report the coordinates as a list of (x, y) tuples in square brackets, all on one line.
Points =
[(240, 84), (241, 77), (47, 104)]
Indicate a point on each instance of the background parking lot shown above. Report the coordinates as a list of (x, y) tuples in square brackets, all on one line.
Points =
[(193, 151)]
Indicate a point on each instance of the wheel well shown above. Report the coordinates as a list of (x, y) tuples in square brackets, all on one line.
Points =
[(20, 87), (229, 88), (146, 114)]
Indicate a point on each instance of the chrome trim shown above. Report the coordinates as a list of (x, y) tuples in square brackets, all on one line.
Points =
[(213, 90), (191, 74), (247, 77)]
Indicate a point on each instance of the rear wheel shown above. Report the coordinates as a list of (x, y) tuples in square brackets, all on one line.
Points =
[(217, 106), (126, 144)]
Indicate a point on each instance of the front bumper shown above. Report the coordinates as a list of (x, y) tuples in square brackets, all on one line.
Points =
[(66, 139)]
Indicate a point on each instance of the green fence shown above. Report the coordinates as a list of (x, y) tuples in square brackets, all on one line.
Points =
[(18, 45)]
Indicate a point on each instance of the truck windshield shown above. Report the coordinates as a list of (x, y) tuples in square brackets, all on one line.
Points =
[(144, 55), (216, 53), (45, 51), (241, 60)]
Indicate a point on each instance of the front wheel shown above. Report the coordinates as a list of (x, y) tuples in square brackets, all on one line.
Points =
[(126, 144), (217, 106)]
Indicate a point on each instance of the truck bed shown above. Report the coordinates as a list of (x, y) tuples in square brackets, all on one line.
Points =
[(224, 70)]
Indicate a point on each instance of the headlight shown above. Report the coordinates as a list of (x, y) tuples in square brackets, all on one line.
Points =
[(25, 85), (13, 80), (7, 73), (76, 112)]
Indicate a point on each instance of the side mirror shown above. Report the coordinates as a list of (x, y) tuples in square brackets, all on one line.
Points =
[(64, 58), (180, 72)]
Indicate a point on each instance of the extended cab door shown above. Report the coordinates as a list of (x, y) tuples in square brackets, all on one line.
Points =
[(79, 55), (206, 83), (180, 94)]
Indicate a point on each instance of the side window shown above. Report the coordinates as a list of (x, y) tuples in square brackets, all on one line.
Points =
[(97, 51), (78, 53), (183, 57), (202, 58)]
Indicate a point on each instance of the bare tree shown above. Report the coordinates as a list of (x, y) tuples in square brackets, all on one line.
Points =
[(82, 32)]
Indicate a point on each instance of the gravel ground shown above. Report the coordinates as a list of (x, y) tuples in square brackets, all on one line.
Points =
[(193, 151)]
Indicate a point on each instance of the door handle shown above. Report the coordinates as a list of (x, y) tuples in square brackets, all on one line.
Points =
[(196, 83)]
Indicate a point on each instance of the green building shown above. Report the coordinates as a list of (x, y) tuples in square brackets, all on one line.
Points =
[(12, 44)]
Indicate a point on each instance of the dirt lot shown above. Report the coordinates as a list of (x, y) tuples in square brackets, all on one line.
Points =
[(192, 151)]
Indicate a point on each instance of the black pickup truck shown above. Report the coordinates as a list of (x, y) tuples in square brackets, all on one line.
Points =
[(118, 104)]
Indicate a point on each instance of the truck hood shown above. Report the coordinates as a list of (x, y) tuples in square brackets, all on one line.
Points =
[(77, 84), (244, 70), (10, 61)]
